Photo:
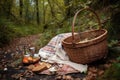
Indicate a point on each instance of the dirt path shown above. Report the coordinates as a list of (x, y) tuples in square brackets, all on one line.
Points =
[(23, 41)]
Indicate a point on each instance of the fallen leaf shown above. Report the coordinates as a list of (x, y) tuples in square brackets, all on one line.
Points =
[(100, 72)]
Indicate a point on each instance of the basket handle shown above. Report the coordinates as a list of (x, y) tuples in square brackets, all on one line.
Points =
[(89, 9)]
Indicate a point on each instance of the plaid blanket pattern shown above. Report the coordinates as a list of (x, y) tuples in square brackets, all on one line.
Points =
[(51, 46)]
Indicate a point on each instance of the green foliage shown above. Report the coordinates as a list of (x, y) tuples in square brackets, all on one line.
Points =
[(113, 27), (9, 30), (112, 43), (114, 53), (115, 23), (118, 58), (44, 39), (24, 30), (113, 73), (6, 33), (111, 9), (98, 4), (46, 36)]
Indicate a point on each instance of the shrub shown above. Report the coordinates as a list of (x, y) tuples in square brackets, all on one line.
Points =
[(6, 34)]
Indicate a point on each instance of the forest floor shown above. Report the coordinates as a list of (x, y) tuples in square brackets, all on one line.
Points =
[(11, 67)]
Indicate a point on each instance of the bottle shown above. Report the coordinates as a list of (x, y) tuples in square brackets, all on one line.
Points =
[(32, 51)]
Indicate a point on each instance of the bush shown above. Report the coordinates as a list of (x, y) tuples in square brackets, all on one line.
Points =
[(6, 34), (113, 73)]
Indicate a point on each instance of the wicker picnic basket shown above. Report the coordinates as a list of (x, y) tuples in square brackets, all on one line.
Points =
[(88, 46)]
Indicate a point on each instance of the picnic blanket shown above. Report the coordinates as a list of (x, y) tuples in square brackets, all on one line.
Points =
[(53, 52)]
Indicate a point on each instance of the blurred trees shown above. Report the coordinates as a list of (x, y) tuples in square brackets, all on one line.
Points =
[(41, 12), (37, 11), (55, 14), (45, 14), (6, 7), (48, 12)]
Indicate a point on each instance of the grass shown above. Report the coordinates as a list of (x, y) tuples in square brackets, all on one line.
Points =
[(9, 30), (24, 30), (50, 33)]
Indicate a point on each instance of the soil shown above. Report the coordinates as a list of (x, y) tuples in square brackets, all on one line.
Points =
[(23, 41)]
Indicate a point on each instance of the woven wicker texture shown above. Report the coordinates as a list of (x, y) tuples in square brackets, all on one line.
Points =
[(89, 45)]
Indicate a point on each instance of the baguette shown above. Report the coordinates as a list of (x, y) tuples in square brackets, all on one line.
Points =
[(39, 68)]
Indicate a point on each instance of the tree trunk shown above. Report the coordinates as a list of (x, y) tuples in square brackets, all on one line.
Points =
[(68, 9), (8, 6), (43, 11), (37, 12), (21, 8), (27, 12), (51, 7)]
